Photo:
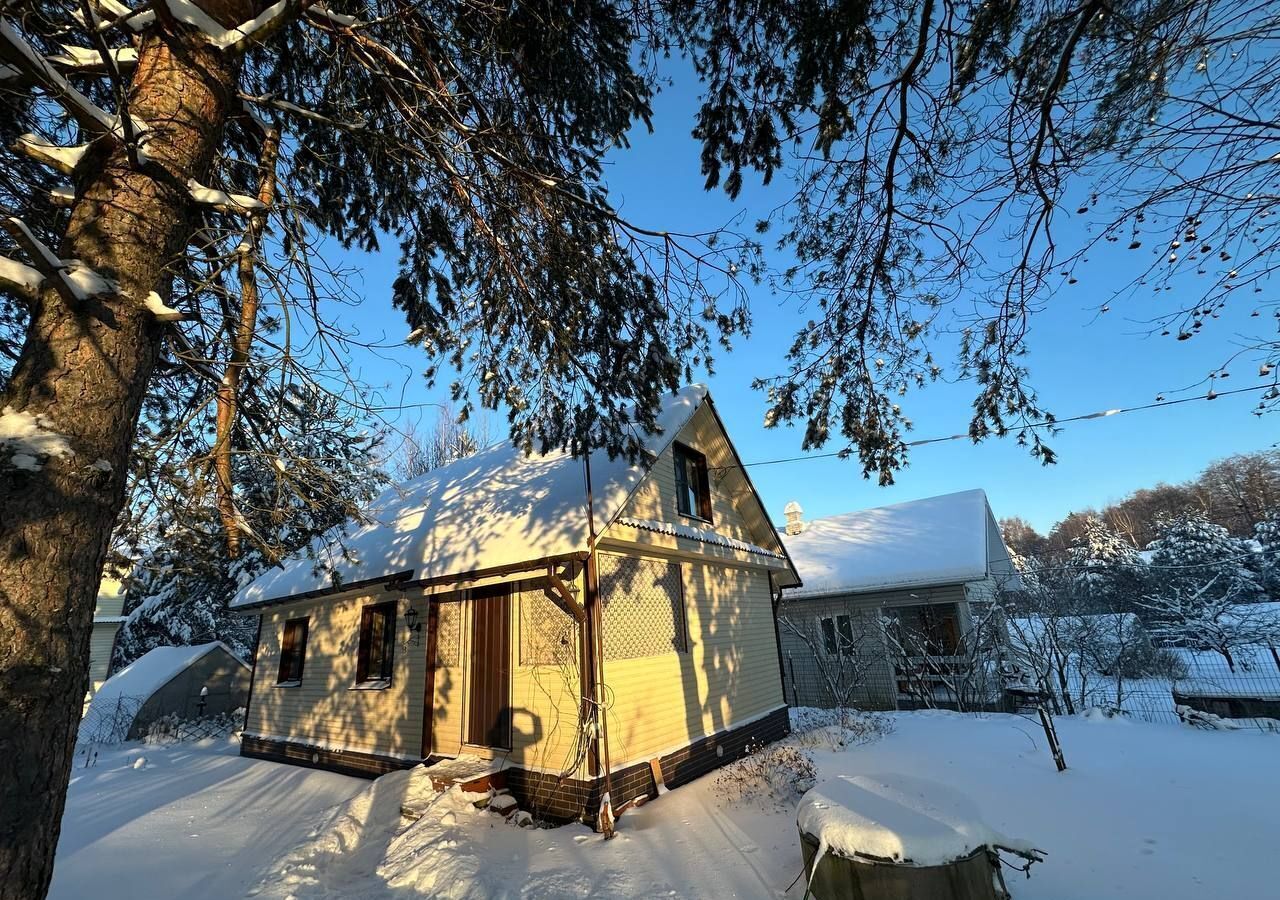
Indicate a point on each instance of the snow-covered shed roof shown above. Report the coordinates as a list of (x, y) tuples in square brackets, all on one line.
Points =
[(937, 540), (148, 673), (495, 508)]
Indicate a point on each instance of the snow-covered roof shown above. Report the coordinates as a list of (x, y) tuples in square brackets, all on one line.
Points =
[(146, 675), (497, 507), (937, 540)]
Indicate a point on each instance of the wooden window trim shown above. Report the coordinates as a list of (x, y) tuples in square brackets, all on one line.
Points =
[(683, 455), (292, 648), (365, 679)]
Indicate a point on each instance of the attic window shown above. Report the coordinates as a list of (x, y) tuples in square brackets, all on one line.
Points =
[(293, 651), (377, 641), (693, 488)]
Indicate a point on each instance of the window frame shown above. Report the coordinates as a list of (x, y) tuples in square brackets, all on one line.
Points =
[(837, 634), (291, 651), (686, 457), (389, 611), (938, 623)]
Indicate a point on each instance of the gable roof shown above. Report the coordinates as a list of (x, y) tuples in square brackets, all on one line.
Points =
[(937, 540), (495, 508)]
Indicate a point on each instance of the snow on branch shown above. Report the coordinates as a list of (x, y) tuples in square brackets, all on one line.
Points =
[(73, 279), (64, 159), (237, 38), (15, 51), (134, 18), (29, 439), (273, 102), (84, 59), (19, 279), (161, 310), (236, 204), (320, 10)]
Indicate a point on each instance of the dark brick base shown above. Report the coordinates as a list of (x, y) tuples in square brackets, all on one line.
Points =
[(546, 796), (345, 762), (570, 800)]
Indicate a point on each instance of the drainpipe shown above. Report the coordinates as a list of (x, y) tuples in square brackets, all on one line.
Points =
[(595, 664)]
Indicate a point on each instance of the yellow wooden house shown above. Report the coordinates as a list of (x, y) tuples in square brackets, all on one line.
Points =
[(584, 630)]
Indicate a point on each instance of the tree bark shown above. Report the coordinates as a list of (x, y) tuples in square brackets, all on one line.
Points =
[(84, 369)]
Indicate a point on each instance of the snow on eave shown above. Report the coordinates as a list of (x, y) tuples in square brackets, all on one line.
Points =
[(495, 508), (692, 533)]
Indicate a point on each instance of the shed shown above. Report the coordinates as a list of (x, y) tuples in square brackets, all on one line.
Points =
[(166, 681)]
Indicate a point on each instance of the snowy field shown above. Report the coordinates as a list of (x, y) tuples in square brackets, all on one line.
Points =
[(1145, 811)]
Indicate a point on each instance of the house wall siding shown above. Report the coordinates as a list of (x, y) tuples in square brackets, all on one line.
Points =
[(728, 675), (805, 685), (655, 497), (101, 642), (325, 710)]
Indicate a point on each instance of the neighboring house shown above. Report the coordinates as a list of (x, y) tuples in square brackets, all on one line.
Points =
[(888, 598), (107, 619), (487, 610), (186, 682)]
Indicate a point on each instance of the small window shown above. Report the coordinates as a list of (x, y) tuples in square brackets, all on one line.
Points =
[(293, 651), (693, 489), (837, 634), (377, 641)]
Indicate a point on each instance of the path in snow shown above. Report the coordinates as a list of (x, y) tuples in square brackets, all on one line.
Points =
[(195, 822)]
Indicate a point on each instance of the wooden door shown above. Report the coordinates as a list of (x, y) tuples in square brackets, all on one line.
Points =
[(489, 714)]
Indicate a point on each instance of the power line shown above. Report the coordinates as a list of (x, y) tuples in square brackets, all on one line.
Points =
[(1101, 414)]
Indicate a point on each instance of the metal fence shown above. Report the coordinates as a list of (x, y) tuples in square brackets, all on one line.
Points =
[(1197, 687)]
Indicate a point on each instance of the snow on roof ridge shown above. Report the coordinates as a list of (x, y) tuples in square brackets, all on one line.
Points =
[(901, 503), (495, 507)]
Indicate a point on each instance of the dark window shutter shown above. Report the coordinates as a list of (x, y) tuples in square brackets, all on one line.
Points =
[(366, 634), (704, 488), (845, 626)]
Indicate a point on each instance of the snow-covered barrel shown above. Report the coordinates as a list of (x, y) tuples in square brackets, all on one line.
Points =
[(898, 837)]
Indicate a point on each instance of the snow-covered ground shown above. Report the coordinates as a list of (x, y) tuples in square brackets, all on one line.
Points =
[(1145, 811), (195, 821)]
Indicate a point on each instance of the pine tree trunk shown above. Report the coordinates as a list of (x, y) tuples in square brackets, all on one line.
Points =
[(84, 368)]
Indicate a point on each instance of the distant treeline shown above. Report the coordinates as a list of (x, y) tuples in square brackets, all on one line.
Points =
[(1236, 492)]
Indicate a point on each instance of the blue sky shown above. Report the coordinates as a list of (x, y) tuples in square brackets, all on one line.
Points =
[(1080, 362)]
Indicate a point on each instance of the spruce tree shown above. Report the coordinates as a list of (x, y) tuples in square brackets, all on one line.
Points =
[(1105, 570)]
